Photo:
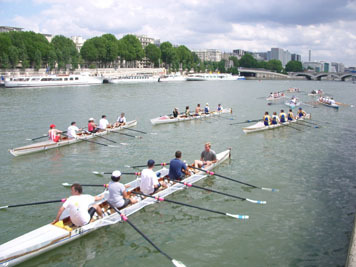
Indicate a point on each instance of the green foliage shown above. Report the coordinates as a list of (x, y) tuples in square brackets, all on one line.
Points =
[(131, 48), (294, 66), (37, 60), (248, 61), (153, 53), (235, 60), (221, 66), (233, 71), (167, 52), (13, 54), (275, 65), (64, 52)]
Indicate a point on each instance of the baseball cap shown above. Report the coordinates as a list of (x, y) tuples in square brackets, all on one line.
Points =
[(116, 174), (150, 163), (91, 119), (52, 126)]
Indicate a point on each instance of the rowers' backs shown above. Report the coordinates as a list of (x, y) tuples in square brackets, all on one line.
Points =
[(282, 117)]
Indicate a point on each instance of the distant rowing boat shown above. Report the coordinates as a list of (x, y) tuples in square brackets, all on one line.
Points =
[(49, 144), (51, 236), (259, 126), (335, 106), (171, 119)]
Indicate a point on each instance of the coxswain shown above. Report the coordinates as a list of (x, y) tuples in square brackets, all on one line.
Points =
[(149, 180), (78, 206), (206, 109), (92, 128), (72, 130), (197, 110), (282, 116), (207, 157), (54, 134), (118, 197), (175, 113), (121, 121), (301, 113), (275, 119), (266, 119), (104, 123), (290, 115)]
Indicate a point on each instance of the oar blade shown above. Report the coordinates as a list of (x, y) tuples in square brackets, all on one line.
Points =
[(4, 207), (270, 189), (98, 173), (66, 184), (178, 263), (238, 216), (256, 201)]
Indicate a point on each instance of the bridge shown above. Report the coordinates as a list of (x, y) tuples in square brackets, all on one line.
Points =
[(262, 74)]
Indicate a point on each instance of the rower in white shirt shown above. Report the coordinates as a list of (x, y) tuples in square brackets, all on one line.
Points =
[(72, 130), (121, 120), (104, 123), (149, 180)]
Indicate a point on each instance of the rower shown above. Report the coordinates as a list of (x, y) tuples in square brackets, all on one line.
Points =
[(301, 113), (332, 101), (149, 180), (177, 168), (54, 134), (282, 116), (220, 108), (78, 206), (187, 111), (290, 115), (92, 128), (266, 119), (197, 110), (175, 113), (206, 109), (104, 123), (118, 196), (207, 157), (275, 119), (72, 130), (121, 121)]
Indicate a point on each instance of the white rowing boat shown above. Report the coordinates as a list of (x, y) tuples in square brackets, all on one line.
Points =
[(292, 104), (171, 119), (49, 144), (51, 236), (260, 126), (328, 105)]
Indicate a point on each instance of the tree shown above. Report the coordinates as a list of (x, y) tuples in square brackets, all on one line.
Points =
[(13, 56), (153, 53), (235, 61), (221, 66), (275, 65), (111, 48), (65, 50), (37, 60), (133, 47), (294, 66), (167, 52), (248, 61), (184, 56)]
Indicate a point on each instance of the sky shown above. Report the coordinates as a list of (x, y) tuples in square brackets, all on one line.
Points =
[(326, 27)]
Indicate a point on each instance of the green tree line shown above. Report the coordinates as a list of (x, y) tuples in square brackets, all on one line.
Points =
[(32, 50)]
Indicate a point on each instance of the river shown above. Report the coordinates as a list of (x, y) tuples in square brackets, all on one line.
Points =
[(307, 223)]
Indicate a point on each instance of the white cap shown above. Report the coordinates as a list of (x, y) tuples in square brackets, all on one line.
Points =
[(207, 104), (91, 119), (116, 173)]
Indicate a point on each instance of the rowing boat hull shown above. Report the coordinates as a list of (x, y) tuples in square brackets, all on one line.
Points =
[(46, 145), (170, 119), (259, 126), (50, 236), (292, 105), (335, 106), (271, 98)]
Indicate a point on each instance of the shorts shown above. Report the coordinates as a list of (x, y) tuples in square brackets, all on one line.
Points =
[(91, 212), (127, 202), (56, 139), (156, 188)]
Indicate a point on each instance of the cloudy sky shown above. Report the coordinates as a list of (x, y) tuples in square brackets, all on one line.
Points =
[(326, 27)]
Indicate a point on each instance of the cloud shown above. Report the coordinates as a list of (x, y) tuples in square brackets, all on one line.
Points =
[(327, 27)]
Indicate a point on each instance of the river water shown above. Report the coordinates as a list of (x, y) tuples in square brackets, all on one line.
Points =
[(307, 223)]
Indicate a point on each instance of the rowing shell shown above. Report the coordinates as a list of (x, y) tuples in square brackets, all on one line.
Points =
[(171, 119), (329, 105), (259, 126), (51, 236), (49, 144)]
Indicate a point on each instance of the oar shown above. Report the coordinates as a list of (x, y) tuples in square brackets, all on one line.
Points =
[(309, 123), (221, 193), (237, 216), (321, 121), (124, 218), (141, 166), (105, 138), (237, 181), (129, 173), (295, 128), (91, 141), (135, 130), (247, 121), (36, 138), (33, 203), (302, 124), (98, 185), (135, 136), (342, 104)]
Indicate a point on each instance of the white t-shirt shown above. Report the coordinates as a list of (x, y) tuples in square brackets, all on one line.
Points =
[(116, 191), (148, 181), (71, 131), (121, 119), (78, 208), (103, 123)]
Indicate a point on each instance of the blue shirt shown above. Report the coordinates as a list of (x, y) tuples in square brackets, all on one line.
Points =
[(175, 169)]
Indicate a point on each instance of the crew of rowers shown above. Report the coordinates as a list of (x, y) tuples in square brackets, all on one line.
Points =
[(72, 132), (82, 207), (327, 100), (317, 92), (198, 111), (276, 94), (282, 117), (293, 101)]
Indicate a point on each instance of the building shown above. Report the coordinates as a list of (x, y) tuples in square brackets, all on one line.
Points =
[(296, 57), (213, 55), (238, 53), (78, 41), (49, 37), (144, 40), (316, 66), (279, 54), (339, 67), (10, 29)]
